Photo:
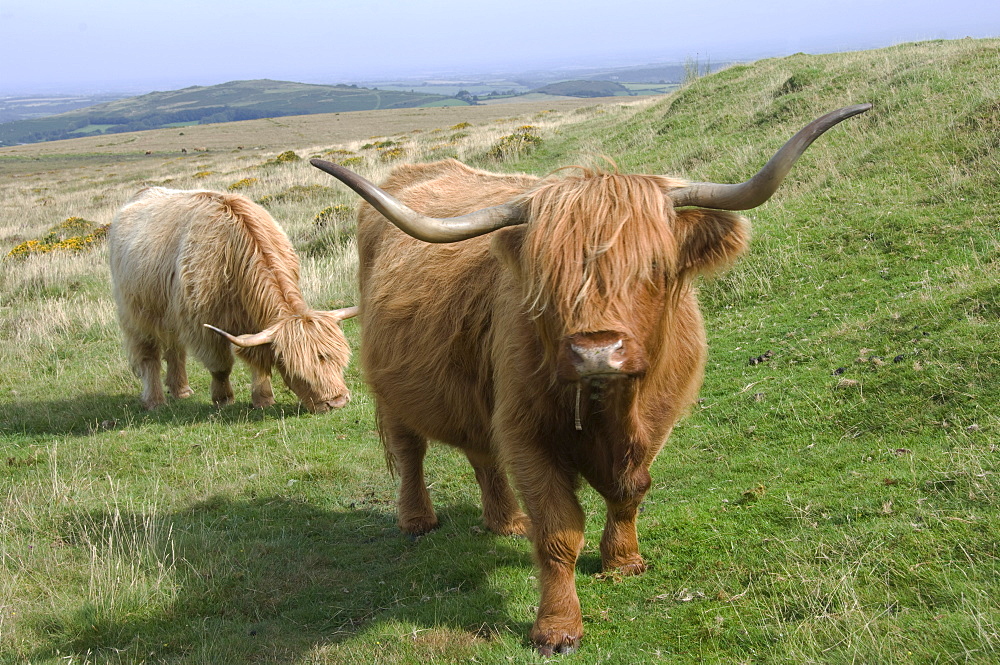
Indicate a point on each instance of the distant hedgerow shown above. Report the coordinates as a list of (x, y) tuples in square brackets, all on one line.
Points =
[(74, 234)]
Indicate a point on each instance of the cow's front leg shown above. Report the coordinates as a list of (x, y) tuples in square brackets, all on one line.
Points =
[(261, 391), (620, 542), (556, 533), (218, 359)]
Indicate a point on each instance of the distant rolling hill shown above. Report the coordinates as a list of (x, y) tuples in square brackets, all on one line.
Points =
[(227, 102), (584, 89)]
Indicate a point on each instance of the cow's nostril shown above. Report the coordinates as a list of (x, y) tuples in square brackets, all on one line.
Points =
[(604, 357)]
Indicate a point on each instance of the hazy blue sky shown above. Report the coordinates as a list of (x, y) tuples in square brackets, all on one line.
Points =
[(134, 45)]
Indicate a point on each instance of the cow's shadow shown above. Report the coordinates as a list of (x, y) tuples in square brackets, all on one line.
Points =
[(274, 575), (87, 413)]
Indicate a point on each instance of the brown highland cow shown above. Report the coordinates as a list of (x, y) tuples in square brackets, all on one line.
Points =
[(563, 345)]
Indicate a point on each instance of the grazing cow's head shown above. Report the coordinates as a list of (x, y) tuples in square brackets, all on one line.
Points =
[(310, 351), (599, 256)]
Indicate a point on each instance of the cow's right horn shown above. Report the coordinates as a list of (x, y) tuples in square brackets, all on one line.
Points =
[(761, 186), (346, 312), (246, 341), (422, 227)]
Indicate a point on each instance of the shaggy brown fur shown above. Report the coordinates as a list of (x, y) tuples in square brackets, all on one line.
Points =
[(462, 343), (180, 259)]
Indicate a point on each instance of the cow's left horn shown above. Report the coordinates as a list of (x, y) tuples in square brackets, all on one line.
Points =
[(422, 227), (246, 341), (759, 188)]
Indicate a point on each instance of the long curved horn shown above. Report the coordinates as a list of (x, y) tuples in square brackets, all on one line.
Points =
[(759, 188), (422, 227), (246, 341), (345, 312)]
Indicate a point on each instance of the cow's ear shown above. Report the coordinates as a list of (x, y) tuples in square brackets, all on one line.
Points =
[(709, 240), (506, 246)]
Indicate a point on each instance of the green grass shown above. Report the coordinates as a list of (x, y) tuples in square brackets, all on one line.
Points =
[(835, 503)]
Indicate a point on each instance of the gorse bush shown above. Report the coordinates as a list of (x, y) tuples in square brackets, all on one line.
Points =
[(391, 154), (295, 193), (334, 213), (353, 161), (240, 185), (287, 157), (75, 234), (515, 145)]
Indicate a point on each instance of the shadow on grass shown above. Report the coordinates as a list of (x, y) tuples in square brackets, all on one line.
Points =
[(85, 414), (271, 578)]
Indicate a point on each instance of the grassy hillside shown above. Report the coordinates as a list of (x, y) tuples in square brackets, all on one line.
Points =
[(237, 100), (833, 498)]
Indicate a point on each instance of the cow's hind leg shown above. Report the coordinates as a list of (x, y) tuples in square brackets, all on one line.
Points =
[(406, 450), (144, 357), (501, 512), (177, 380)]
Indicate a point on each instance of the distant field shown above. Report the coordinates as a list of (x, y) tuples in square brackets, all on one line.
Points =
[(252, 137), (445, 102), (450, 88), (90, 129)]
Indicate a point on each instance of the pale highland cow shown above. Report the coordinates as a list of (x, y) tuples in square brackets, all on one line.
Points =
[(183, 262), (563, 347)]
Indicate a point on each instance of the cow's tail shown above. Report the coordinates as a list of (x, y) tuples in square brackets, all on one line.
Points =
[(390, 459)]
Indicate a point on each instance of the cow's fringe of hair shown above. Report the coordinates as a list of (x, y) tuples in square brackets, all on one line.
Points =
[(308, 336), (574, 250)]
